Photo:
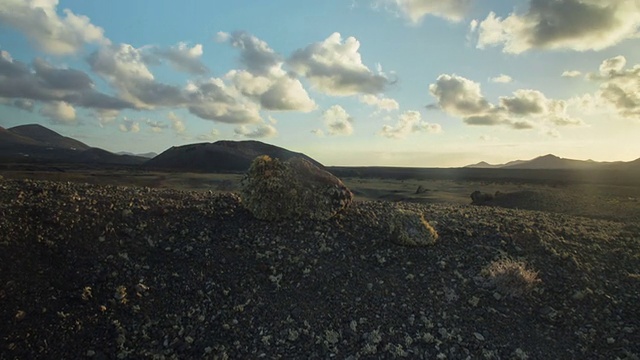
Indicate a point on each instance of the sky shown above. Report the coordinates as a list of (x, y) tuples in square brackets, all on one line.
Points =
[(421, 83)]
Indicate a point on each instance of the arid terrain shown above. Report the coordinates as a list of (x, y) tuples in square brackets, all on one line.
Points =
[(108, 263)]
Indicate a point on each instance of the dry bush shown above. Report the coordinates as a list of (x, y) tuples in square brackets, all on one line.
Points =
[(510, 277)]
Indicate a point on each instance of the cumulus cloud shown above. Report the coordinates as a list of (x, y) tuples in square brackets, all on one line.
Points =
[(210, 136), (571, 73), (461, 97), (562, 24), (335, 67), (380, 102), (123, 66), (409, 122), (59, 112), (24, 104), (40, 22), (338, 121), (318, 132), (129, 125), (177, 124), (618, 86), (214, 100), (264, 78), (156, 126), (184, 58), (501, 79), (260, 131), (416, 10), (42, 81)]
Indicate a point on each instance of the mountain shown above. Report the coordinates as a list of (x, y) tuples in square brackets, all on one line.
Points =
[(48, 138), (36, 143), (552, 162), (221, 156), (149, 155)]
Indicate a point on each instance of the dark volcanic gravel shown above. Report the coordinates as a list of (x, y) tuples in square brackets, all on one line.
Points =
[(106, 272)]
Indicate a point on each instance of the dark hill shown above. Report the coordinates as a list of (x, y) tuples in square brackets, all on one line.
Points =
[(46, 137), (221, 156), (36, 143)]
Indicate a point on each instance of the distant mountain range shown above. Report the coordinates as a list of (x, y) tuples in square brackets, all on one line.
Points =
[(223, 156), (552, 162), (36, 143)]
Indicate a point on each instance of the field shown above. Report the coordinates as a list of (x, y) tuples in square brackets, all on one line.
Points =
[(120, 263)]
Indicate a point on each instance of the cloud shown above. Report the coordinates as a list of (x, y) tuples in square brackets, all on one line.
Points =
[(24, 104), (177, 124), (128, 125), (579, 25), (409, 122), (338, 121), (416, 10), (184, 58), (335, 67), (106, 116), (211, 136), (261, 131), (40, 22), (264, 79), (156, 126), (59, 112), (42, 81), (618, 86), (571, 73), (461, 97), (213, 100), (123, 66), (380, 102), (501, 79), (318, 132)]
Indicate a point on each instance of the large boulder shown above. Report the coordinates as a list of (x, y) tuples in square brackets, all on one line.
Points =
[(292, 189)]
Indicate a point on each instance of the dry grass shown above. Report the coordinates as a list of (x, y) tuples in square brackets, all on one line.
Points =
[(510, 277)]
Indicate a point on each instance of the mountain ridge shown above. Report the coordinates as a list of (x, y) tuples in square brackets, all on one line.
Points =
[(553, 162)]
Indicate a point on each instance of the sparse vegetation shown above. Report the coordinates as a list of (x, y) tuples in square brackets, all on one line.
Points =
[(510, 277)]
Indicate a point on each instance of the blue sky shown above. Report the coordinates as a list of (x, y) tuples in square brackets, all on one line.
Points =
[(362, 82)]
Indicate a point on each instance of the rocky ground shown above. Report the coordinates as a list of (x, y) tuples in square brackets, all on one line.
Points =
[(106, 272)]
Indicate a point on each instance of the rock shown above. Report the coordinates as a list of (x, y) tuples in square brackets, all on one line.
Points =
[(410, 228), (478, 197), (293, 189)]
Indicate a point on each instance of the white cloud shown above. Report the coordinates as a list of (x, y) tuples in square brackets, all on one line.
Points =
[(156, 126), (409, 122), (177, 124), (211, 136), (338, 121), (214, 100), (458, 96), (123, 66), (380, 102), (335, 67), (501, 79), (59, 112), (318, 132), (562, 24), (571, 73), (185, 58), (416, 10), (264, 78), (129, 125), (40, 22), (618, 87), (106, 116), (259, 132)]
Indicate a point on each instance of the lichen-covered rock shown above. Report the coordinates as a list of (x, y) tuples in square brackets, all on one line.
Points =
[(410, 228), (292, 189)]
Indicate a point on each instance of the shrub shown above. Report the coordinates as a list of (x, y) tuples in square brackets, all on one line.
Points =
[(510, 277)]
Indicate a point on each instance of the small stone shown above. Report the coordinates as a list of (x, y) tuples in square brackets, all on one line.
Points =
[(497, 296), (478, 336), (610, 340), (91, 353), (474, 301), (20, 315)]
